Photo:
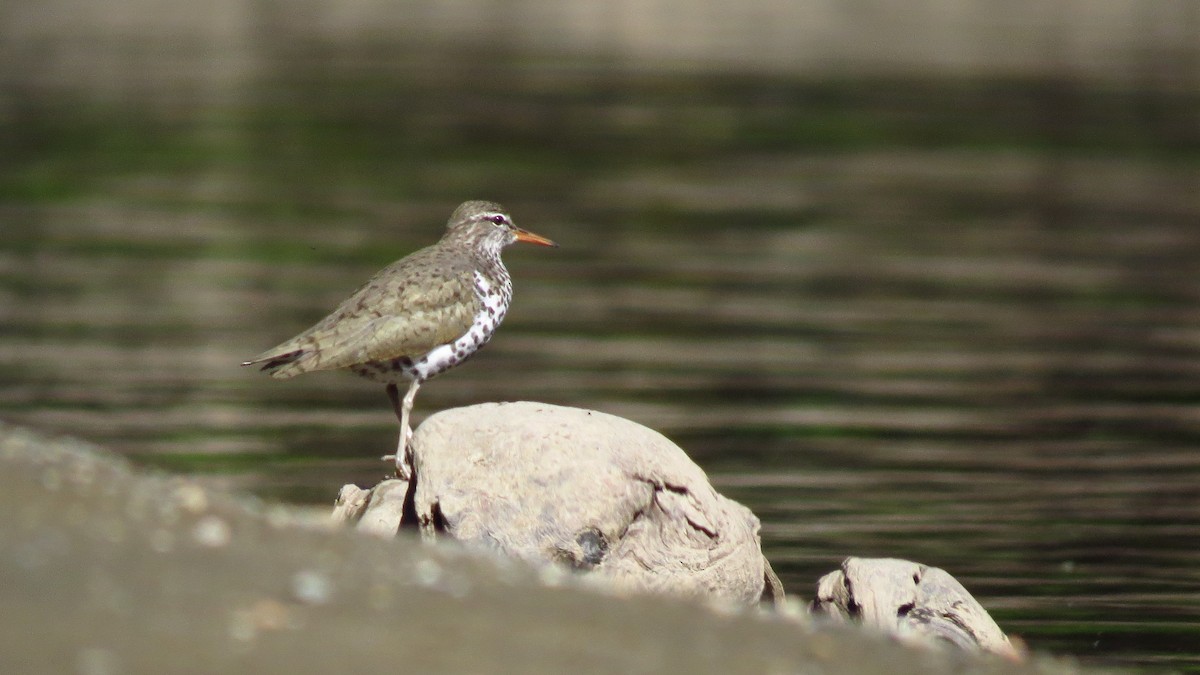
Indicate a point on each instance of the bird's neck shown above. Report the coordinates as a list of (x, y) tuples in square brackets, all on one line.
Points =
[(488, 259)]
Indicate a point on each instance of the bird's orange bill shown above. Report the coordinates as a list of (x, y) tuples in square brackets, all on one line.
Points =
[(527, 236)]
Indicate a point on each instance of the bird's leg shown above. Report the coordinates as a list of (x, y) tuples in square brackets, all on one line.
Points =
[(397, 457), (403, 410), (393, 393)]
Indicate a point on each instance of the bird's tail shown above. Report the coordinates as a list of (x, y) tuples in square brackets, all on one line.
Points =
[(281, 365)]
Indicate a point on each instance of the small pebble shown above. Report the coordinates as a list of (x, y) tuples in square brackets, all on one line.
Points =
[(312, 587), (428, 572), (552, 575), (192, 498), (212, 532)]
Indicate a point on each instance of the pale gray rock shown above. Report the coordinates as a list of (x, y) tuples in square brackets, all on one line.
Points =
[(912, 601), (596, 492), (376, 511)]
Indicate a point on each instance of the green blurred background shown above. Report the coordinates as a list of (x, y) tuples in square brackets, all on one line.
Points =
[(908, 279)]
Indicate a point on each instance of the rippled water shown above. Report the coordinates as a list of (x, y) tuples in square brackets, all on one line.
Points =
[(983, 359)]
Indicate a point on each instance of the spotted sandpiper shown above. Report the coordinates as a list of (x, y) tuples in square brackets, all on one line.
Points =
[(417, 317)]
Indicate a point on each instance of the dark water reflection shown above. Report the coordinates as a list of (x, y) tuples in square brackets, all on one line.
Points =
[(916, 352)]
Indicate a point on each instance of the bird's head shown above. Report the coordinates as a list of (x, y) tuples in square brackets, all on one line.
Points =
[(488, 224)]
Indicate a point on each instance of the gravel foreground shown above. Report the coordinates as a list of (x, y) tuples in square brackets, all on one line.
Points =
[(108, 569)]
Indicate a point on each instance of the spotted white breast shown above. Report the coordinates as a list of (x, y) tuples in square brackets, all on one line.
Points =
[(493, 304)]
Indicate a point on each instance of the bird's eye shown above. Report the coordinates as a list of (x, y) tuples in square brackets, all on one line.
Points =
[(499, 220)]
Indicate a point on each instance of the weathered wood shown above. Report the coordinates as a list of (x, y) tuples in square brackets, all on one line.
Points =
[(911, 601), (593, 491)]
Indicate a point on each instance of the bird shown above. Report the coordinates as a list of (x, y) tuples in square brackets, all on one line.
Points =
[(417, 317)]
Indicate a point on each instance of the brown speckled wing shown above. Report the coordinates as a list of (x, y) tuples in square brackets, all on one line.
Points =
[(407, 309)]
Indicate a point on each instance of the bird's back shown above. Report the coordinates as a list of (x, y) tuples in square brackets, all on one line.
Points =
[(415, 304)]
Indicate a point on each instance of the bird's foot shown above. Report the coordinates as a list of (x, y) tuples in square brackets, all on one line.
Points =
[(404, 473), (403, 467)]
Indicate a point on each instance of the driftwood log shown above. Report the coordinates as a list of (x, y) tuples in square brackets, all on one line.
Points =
[(596, 492), (912, 601)]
